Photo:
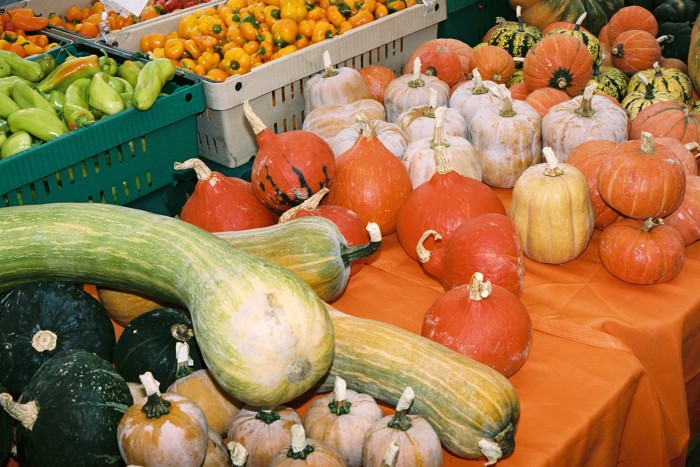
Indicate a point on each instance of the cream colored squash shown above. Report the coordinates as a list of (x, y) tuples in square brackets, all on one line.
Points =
[(507, 139), (217, 453), (419, 122), (418, 444), (306, 451), (583, 118), (390, 134), (263, 432), (329, 120), (419, 156), (219, 407), (341, 419), (413, 90), (552, 211), (334, 86), (472, 96)]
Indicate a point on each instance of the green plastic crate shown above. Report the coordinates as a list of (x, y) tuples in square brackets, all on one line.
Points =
[(468, 20), (116, 160)]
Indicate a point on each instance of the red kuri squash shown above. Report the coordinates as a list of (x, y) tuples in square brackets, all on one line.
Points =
[(686, 219)]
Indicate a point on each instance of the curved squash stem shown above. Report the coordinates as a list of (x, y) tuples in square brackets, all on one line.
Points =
[(239, 454), (521, 25), (651, 223), (184, 362), (299, 448), (400, 420), (309, 204), (367, 129), (267, 416), (255, 122), (328, 65), (491, 451), (478, 288), (44, 340), (649, 88), (647, 145), (353, 253), (479, 86), (579, 21), (391, 455), (26, 414), (203, 172), (155, 406), (422, 253), (586, 109)]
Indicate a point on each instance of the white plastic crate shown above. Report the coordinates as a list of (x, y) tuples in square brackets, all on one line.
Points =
[(274, 89)]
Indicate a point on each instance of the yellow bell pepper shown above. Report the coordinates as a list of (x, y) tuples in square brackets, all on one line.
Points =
[(186, 26), (236, 61), (293, 9)]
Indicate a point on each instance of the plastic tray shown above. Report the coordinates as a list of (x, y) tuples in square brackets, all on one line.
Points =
[(275, 88), (117, 159)]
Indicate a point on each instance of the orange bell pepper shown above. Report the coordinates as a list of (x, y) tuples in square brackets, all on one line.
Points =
[(211, 26), (361, 17), (186, 26), (174, 48), (192, 49), (293, 9), (209, 60), (234, 35), (322, 31), (265, 51), (284, 32), (236, 61), (272, 14)]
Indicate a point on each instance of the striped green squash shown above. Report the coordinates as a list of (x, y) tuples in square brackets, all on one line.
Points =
[(473, 405), (312, 247), (541, 13), (264, 334), (590, 41), (611, 81), (636, 101), (515, 37), (670, 80)]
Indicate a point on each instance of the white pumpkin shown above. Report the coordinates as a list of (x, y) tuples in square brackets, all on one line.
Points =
[(413, 90), (583, 118), (419, 122), (470, 97), (390, 134), (419, 156), (507, 139), (341, 419), (418, 444), (334, 86), (329, 120), (305, 451)]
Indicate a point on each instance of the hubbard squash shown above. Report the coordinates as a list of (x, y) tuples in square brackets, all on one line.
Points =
[(39, 320), (249, 366), (83, 395)]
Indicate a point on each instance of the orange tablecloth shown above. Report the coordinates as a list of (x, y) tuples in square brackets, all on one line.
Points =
[(613, 371)]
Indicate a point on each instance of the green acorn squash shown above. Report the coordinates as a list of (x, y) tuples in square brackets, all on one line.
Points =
[(69, 412), (149, 343), (675, 11), (41, 319)]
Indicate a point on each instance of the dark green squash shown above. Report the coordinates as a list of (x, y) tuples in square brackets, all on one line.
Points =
[(680, 45), (149, 343), (5, 432), (515, 37), (41, 319), (675, 11), (70, 411)]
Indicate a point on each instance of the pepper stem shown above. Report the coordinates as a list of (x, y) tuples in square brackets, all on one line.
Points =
[(310, 204), (353, 253), (26, 414), (422, 252), (478, 288), (203, 172), (155, 406)]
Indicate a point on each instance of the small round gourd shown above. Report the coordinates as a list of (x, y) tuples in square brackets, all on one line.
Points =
[(419, 122), (670, 80), (167, 429), (418, 444), (412, 90), (219, 407), (263, 432), (333, 86), (640, 98), (390, 134), (507, 139), (306, 451), (471, 96), (341, 419), (552, 210)]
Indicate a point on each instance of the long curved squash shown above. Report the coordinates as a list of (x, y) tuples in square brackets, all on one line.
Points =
[(465, 401), (264, 334)]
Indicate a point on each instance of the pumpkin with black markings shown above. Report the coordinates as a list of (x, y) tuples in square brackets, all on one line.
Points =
[(39, 320), (69, 412), (666, 79), (611, 81), (516, 38)]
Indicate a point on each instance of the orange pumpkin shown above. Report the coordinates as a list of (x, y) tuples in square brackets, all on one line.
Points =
[(519, 92), (463, 51), (494, 63), (377, 78), (629, 18), (671, 118), (558, 61), (441, 62), (635, 50), (686, 219), (542, 99)]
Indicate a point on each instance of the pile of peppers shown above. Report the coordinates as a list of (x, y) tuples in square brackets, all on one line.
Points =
[(41, 100)]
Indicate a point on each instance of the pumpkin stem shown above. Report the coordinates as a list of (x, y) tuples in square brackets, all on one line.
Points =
[(181, 332), (666, 38), (309, 204), (651, 223), (422, 253), (579, 21), (155, 406), (367, 129), (353, 253), (44, 340), (184, 362), (647, 145), (521, 25), (416, 81), (491, 451), (340, 405), (618, 51), (328, 65), (553, 169), (648, 87), (400, 420), (432, 103), (442, 163), (299, 448), (239, 454), (255, 123), (479, 87), (267, 415), (438, 138), (391, 455), (657, 69), (478, 288), (200, 168), (586, 109), (503, 94), (26, 414)]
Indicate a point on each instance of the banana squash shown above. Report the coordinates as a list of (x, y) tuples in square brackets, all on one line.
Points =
[(263, 332)]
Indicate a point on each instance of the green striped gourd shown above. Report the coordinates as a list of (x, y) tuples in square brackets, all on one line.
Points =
[(516, 38), (473, 408), (611, 81), (670, 80), (636, 101), (586, 37), (264, 334)]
